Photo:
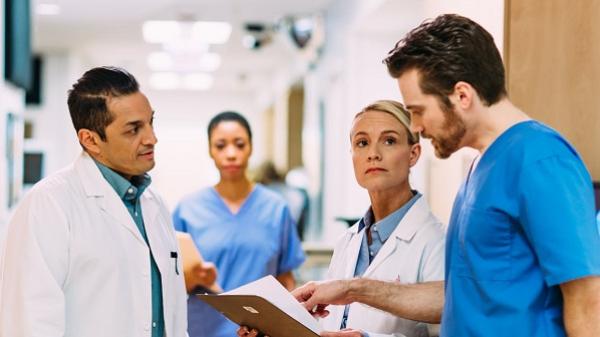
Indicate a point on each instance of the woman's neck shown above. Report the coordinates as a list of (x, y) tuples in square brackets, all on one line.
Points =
[(384, 203), (234, 190)]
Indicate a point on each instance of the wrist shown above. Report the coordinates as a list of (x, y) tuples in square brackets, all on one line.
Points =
[(353, 289)]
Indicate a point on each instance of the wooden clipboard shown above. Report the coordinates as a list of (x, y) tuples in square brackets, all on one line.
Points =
[(258, 313)]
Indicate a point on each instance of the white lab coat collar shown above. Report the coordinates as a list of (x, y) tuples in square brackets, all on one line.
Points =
[(408, 226), (405, 230), (95, 186)]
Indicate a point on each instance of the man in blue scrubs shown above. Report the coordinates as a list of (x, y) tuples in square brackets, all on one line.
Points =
[(523, 250)]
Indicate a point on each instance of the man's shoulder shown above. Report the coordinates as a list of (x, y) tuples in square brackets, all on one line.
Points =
[(535, 141), (62, 180)]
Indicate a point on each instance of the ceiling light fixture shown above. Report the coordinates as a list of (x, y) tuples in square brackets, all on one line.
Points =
[(165, 81), (183, 62), (197, 81), (207, 32)]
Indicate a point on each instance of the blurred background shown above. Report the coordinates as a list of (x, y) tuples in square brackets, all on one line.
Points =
[(299, 71)]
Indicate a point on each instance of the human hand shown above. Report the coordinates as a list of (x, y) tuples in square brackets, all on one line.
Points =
[(343, 333), (205, 274), (315, 296), (244, 331), (201, 274)]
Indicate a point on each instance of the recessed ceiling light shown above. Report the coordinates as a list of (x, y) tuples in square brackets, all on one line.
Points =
[(211, 32), (160, 61), (160, 31), (47, 9), (197, 81), (165, 81)]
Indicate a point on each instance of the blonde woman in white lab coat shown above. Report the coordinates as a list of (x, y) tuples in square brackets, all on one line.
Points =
[(398, 239), (405, 242)]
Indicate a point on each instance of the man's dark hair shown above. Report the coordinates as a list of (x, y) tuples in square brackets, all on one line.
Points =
[(449, 49), (227, 116), (89, 95)]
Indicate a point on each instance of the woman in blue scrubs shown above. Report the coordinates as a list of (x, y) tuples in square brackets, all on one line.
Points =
[(245, 229)]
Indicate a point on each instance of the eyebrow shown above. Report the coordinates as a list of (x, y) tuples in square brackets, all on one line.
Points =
[(390, 131), (134, 123), (360, 133), (413, 107), (138, 122)]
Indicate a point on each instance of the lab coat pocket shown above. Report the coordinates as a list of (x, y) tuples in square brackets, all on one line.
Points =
[(485, 240)]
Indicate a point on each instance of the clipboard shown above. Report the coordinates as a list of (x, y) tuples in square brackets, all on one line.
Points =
[(258, 313)]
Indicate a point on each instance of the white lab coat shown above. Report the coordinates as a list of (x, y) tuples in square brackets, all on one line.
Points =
[(413, 253), (74, 264)]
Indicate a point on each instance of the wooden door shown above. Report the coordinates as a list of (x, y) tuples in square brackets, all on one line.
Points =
[(552, 53)]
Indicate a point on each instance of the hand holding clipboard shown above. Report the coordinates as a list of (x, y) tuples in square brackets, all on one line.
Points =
[(198, 274)]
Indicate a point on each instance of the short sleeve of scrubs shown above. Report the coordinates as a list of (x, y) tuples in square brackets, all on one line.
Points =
[(178, 221), (292, 254), (556, 206)]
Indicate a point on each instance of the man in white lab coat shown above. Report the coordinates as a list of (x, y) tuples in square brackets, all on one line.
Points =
[(90, 251)]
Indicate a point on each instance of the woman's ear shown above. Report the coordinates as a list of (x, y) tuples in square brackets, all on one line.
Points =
[(89, 140), (415, 153)]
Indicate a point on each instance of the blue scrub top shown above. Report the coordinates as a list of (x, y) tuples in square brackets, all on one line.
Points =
[(523, 223), (261, 239)]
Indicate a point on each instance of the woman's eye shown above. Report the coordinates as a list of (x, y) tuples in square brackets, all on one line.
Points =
[(390, 141), (361, 143), (241, 145), (220, 146)]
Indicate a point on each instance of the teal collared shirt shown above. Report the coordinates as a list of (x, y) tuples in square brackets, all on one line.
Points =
[(130, 192)]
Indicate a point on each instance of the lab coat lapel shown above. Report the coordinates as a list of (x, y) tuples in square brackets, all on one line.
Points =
[(353, 250), (104, 195), (386, 250), (404, 231), (155, 231)]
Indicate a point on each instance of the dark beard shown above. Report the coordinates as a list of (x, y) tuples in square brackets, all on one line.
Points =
[(449, 142)]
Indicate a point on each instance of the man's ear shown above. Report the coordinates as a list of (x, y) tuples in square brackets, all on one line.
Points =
[(89, 140), (463, 95)]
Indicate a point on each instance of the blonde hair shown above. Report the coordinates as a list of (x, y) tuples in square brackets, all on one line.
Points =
[(397, 110)]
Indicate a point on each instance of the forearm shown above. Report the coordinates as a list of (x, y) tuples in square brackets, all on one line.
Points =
[(422, 302), (582, 307), (287, 280)]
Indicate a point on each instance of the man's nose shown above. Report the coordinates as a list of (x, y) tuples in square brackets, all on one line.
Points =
[(415, 127), (150, 137)]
